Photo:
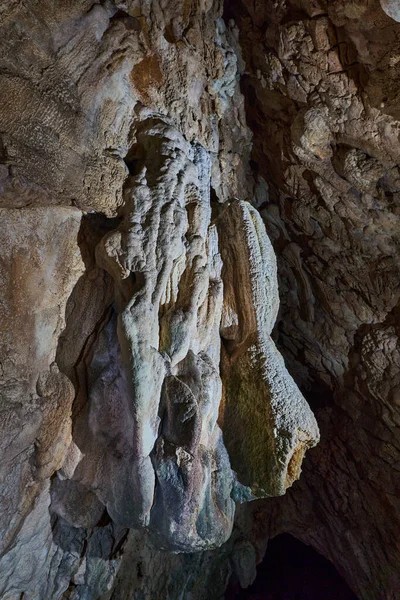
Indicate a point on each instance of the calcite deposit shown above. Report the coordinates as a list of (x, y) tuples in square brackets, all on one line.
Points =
[(170, 171), (142, 394), (322, 96)]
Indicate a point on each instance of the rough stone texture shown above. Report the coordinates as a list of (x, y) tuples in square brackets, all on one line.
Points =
[(322, 88), (38, 244), (144, 399), (272, 435), (125, 188)]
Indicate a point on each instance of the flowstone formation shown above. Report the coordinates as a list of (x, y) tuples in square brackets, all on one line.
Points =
[(322, 98), (142, 395)]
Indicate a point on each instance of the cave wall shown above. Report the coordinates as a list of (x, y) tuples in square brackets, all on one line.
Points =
[(322, 88), (142, 395), (150, 152)]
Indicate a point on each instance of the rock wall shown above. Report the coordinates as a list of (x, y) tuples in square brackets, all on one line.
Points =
[(142, 395), (322, 88), (149, 152)]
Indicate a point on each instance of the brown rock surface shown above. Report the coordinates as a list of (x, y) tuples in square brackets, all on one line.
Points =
[(144, 397), (123, 149), (321, 88), (40, 263)]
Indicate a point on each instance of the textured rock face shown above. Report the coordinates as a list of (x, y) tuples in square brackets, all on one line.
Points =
[(321, 88), (37, 245), (144, 397), (129, 251), (273, 442)]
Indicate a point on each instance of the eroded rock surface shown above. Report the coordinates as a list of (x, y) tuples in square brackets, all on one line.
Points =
[(40, 264), (144, 397), (275, 441), (322, 89), (129, 251)]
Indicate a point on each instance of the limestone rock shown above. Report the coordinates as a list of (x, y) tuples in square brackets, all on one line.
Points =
[(322, 88), (144, 394), (123, 146), (40, 263), (391, 8), (266, 435), (144, 360)]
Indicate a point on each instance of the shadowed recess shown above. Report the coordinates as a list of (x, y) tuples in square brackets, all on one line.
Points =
[(292, 570)]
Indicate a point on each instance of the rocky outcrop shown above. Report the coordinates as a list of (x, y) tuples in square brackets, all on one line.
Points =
[(129, 252), (321, 87), (38, 244), (145, 399), (273, 441)]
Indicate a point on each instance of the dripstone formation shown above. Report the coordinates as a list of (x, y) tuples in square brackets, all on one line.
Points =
[(322, 86), (139, 295), (161, 164)]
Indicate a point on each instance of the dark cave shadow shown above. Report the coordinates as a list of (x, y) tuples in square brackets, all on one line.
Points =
[(291, 570)]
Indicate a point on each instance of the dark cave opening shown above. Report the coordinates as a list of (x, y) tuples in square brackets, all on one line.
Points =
[(291, 570)]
